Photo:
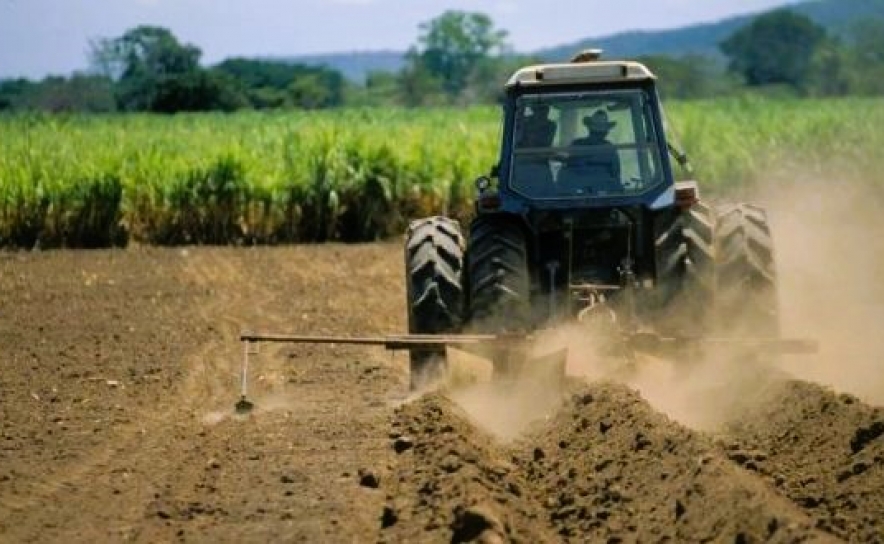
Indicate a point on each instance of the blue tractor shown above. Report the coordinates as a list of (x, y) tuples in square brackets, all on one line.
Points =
[(582, 216)]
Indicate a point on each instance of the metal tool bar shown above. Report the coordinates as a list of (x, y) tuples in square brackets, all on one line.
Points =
[(793, 346), (391, 342)]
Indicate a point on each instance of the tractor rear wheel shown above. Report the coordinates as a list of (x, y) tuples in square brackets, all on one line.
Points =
[(685, 257), (434, 248), (746, 275), (499, 279)]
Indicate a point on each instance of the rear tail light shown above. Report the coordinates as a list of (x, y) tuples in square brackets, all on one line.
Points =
[(685, 197)]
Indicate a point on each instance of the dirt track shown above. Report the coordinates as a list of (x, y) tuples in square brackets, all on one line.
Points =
[(119, 374)]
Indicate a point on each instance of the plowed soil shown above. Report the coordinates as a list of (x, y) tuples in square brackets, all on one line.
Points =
[(119, 370)]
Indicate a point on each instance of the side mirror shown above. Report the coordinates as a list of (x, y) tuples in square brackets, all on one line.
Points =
[(495, 171)]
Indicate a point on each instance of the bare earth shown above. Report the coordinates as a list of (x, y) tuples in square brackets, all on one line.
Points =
[(119, 371)]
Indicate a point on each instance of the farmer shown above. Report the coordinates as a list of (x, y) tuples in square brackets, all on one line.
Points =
[(599, 165)]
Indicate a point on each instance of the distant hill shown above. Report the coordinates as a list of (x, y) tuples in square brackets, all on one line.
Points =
[(837, 16), (356, 65)]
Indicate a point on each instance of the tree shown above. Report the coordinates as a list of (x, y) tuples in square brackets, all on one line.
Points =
[(865, 58), (200, 90), (143, 60), (776, 48), (419, 87), (80, 92), (451, 47), (691, 76), (381, 88), (271, 84)]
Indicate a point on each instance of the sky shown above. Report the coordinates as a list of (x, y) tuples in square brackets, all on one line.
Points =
[(41, 37)]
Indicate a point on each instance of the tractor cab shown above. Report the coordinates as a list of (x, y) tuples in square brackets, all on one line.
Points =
[(581, 135)]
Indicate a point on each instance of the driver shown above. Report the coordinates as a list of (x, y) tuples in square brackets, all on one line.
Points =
[(601, 162)]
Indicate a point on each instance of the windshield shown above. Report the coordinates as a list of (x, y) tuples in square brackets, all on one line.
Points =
[(584, 144)]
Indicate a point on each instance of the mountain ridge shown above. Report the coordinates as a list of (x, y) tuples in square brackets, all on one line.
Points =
[(836, 16)]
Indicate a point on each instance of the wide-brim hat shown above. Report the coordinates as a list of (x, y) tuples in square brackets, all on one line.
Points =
[(598, 121)]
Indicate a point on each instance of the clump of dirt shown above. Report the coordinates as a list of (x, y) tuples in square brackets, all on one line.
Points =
[(453, 482), (825, 451), (611, 468)]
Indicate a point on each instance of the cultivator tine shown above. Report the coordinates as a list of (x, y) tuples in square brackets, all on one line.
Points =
[(243, 405)]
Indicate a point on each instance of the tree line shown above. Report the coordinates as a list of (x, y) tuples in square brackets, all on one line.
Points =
[(459, 58)]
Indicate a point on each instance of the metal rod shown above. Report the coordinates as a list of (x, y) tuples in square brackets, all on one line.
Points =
[(795, 346), (392, 342), (245, 370)]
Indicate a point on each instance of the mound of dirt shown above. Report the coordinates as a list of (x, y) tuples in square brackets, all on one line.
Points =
[(454, 483), (825, 451), (609, 467)]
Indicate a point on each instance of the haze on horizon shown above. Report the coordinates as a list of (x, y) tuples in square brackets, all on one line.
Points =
[(41, 37)]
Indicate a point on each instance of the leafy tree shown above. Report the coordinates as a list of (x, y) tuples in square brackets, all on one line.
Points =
[(692, 76), (864, 58), (775, 48), (142, 61), (200, 90), (450, 48), (486, 83), (271, 84), (830, 73), (380, 89), (419, 87), (13, 93), (80, 92)]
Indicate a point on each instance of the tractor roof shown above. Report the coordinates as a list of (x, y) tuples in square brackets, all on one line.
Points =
[(580, 72)]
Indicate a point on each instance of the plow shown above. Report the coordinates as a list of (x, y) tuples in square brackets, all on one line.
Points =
[(583, 220), (511, 354)]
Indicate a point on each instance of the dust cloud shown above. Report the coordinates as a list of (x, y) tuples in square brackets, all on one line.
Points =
[(829, 237), (506, 407), (829, 246)]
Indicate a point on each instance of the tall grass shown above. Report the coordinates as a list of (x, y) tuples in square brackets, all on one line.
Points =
[(91, 181), (744, 141)]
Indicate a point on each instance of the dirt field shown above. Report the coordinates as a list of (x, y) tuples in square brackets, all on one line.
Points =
[(120, 371)]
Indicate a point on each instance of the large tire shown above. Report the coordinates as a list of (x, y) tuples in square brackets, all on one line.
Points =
[(434, 250), (746, 277), (499, 279), (685, 260)]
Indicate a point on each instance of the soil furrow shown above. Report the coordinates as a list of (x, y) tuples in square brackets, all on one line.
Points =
[(120, 370), (823, 450)]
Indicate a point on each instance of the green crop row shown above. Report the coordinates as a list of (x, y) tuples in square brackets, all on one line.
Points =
[(93, 181)]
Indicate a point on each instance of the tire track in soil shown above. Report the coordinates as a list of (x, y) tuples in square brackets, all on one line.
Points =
[(48, 496), (290, 470)]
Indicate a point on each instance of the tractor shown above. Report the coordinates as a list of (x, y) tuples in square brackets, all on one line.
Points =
[(582, 213), (582, 219)]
